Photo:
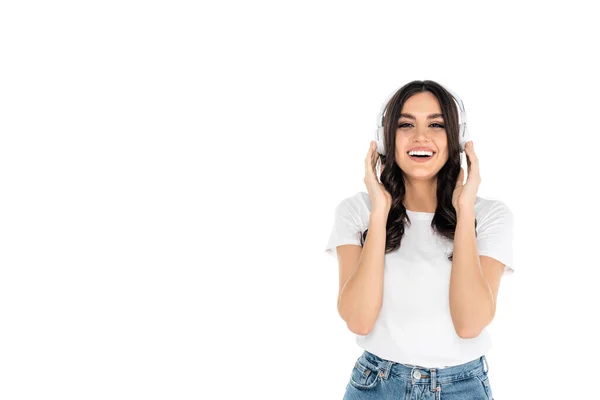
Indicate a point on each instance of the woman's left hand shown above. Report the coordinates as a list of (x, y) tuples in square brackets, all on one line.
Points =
[(464, 194)]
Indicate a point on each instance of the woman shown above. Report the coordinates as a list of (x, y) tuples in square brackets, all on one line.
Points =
[(420, 257)]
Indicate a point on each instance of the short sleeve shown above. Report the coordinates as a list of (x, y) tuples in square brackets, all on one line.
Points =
[(347, 228), (495, 235)]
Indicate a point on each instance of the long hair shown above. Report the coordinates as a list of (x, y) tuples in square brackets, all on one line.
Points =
[(444, 219)]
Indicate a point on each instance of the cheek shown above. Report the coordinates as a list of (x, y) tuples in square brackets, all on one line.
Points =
[(401, 142), (399, 151), (443, 157)]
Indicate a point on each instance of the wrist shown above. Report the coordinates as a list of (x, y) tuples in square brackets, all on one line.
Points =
[(379, 214), (465, 212)]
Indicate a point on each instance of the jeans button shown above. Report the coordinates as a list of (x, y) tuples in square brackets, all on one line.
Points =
[(417, 374)]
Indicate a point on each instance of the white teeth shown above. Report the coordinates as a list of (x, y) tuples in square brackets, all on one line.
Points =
[(420, 153)]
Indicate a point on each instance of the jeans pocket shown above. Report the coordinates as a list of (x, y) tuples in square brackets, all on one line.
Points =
[(364, 375)]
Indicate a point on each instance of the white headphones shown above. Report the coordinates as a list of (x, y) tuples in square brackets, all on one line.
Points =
[(463, 136)]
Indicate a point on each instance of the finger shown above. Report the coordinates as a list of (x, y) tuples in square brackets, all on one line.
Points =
[(374, 153), (370, 161), (471, 152), (473, 161), (375, 157), (375, 163), (470, 157), (461, 177), (368, 157)]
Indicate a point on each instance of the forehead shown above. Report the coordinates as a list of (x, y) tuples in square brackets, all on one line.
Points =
[(421, 104)]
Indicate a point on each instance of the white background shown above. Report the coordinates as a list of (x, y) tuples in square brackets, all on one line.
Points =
[(169, 173)]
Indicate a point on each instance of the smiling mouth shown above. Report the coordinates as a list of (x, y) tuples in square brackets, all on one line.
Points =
[(419, 156)]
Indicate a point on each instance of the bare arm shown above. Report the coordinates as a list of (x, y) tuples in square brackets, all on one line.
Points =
[(472, 303), (360, 298)]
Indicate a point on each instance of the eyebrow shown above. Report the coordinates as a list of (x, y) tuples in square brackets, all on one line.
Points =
[(430, 116)]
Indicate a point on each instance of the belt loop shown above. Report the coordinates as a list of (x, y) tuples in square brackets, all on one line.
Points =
[(432, 372), (486, 367), (384, 368), (388, 368)]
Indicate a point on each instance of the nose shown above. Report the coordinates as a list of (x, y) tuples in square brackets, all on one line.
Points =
[(421, 134)]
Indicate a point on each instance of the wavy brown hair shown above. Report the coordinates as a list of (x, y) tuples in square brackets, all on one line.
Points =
[(444, 219)]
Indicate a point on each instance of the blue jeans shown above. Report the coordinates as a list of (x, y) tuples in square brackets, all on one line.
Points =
[(375, 378)]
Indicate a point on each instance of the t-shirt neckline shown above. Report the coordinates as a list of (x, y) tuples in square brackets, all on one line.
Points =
[(419, 214)]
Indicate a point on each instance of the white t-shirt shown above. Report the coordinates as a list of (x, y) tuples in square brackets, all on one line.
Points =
[(414, 325)]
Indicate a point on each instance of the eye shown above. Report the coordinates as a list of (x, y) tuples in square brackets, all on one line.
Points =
[(406, 123)]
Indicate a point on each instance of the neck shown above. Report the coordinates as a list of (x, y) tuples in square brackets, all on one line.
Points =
[(421, 195)]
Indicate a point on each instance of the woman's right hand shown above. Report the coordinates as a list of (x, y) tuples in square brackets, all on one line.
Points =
[(381, 199)]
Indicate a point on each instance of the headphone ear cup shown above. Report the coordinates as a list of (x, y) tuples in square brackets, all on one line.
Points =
[(379, 140), (463, 137)]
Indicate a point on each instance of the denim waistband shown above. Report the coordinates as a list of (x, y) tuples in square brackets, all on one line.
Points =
[(423, 375)]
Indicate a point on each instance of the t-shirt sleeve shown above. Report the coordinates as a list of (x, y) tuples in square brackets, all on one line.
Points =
[(347, 228), (495, 235)]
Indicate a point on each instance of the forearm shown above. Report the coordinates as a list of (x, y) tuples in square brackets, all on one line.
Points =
[(361, 297), (471, 299)]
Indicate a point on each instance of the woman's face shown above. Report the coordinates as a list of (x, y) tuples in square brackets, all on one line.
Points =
[(416, 129)]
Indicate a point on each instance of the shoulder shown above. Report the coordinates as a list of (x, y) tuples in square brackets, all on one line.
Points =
[(491, 209), (358, 206)]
